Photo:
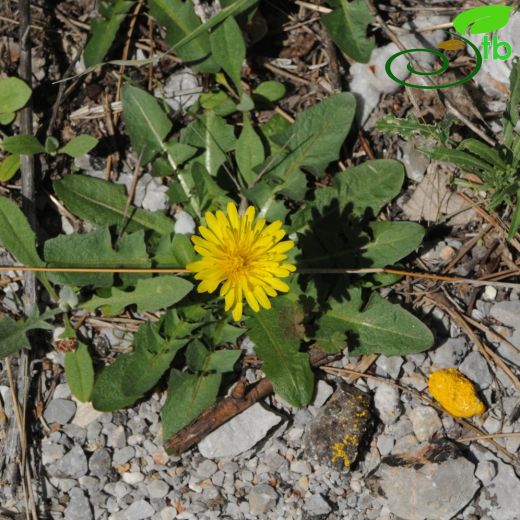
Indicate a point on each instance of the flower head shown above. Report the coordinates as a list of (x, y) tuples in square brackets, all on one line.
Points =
[(245, 256)]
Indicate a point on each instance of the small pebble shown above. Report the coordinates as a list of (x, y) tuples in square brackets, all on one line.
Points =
[(59, 411)]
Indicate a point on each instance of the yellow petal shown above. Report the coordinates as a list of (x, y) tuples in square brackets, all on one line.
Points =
[(251, 300), (237, 311), (263, 300)]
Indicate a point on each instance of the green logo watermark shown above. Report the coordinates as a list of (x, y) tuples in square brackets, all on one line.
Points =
[(480, 20)]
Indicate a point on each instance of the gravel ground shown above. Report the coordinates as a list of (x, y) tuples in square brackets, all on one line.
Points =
[(113, 466)]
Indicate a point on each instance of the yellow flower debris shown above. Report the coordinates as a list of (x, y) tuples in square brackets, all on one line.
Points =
[(455, 393)]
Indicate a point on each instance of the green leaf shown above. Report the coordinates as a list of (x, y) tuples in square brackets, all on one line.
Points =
[(347, 26), (51, 144), (19, 239), (277, 338), (149, 295), (104, 203), (379, 327), (7, 118), (79, 372), (188, 396), (14, 94), (482, 151), (222, 360), (180, 152), (515, 219), (13, 333), (79, 146), (209, 194), (181, 22), (196, 356), (214, 136), (94, 250), (108, 394), (176, 251), (12, 336), (270, 91), (511, 115), (22, 145), (229, 49), (370, 185), (464, 160), (104, 30), (219, 102), (391, 242), (145, 122), (8, 167), (318, 132), (149, 361), (312, 142), (249, 152)]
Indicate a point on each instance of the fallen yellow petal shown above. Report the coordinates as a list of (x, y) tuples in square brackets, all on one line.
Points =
[(451, 45), (455, 393)]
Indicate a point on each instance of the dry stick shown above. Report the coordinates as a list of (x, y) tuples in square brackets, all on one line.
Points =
[(495, 222), (346, 371), (411, 274), (120, 76), (28, 204)]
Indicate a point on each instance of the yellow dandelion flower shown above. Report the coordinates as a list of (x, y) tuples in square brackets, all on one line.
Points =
[(245, 256)]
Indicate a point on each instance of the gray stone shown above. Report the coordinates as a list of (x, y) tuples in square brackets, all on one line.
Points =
[(61, 391), (133, 477), (79, 506), (476, 368), (51, 452), (73, 464), (59, 411), (261, 499), (157, 488), (449, 354), (206, 468), (501, 498), (121, 489), (425, 422), (301, 466), (389, 365), (507, 312), (316, 505), (122, 455), (323, 392), (239, 434), (75, 433), (434, 491), (139, 510), (90, 484), (486, 471), (100, 463), (387, 403), (385, 444)]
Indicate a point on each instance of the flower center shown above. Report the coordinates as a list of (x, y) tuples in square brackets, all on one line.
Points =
[(236, 264)]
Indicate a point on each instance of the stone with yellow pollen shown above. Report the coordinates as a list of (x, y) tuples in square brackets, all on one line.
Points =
[(334, 436)]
